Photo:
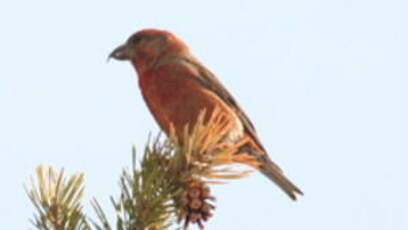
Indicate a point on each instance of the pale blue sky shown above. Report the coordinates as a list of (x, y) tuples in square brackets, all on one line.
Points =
[(325, 82)]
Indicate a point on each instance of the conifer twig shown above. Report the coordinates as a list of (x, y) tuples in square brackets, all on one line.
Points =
[(57, 200), (169, 185)]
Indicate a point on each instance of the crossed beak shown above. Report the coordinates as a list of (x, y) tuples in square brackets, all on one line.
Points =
[(121, 53)]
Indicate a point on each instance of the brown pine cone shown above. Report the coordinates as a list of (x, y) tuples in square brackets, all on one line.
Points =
[(194, 201)]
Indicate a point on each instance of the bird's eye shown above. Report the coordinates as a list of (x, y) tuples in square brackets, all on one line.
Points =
[(136, 40)]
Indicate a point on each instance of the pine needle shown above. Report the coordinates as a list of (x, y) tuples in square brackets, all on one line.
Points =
[(57, 200)]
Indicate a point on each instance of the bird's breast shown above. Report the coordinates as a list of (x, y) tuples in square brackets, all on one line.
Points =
[(175, 98)]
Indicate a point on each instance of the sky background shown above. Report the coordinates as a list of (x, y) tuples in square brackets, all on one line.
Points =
[(325, 83)]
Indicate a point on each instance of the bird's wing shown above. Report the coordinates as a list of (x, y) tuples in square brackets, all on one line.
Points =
[(207, 79)]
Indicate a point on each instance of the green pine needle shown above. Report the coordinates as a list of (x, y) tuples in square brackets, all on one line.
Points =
[(57, 200), (151, 191)]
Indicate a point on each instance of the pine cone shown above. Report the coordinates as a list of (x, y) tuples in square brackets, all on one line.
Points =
[(194, 204)]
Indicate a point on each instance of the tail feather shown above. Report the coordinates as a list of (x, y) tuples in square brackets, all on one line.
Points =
[(275, 174), (272, 171)]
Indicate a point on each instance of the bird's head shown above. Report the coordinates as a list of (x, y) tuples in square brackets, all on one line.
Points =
[(144, 47)]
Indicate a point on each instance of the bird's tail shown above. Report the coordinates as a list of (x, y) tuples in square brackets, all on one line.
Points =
[(275, 174)]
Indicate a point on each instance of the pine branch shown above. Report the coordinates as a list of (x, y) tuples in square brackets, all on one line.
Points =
[(57, 200), (170, 185), (145, 199)]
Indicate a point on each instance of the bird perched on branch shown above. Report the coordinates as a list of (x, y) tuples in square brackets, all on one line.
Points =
[(176, 87)]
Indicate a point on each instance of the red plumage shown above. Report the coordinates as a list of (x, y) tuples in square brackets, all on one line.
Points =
[(177, 87)]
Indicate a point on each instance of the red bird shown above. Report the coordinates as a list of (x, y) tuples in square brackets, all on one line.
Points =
[(177, 87)]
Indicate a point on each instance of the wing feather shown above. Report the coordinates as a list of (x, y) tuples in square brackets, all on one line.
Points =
[(208, 80)]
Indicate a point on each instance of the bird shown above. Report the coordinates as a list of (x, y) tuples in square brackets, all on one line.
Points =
[(176, 87)]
